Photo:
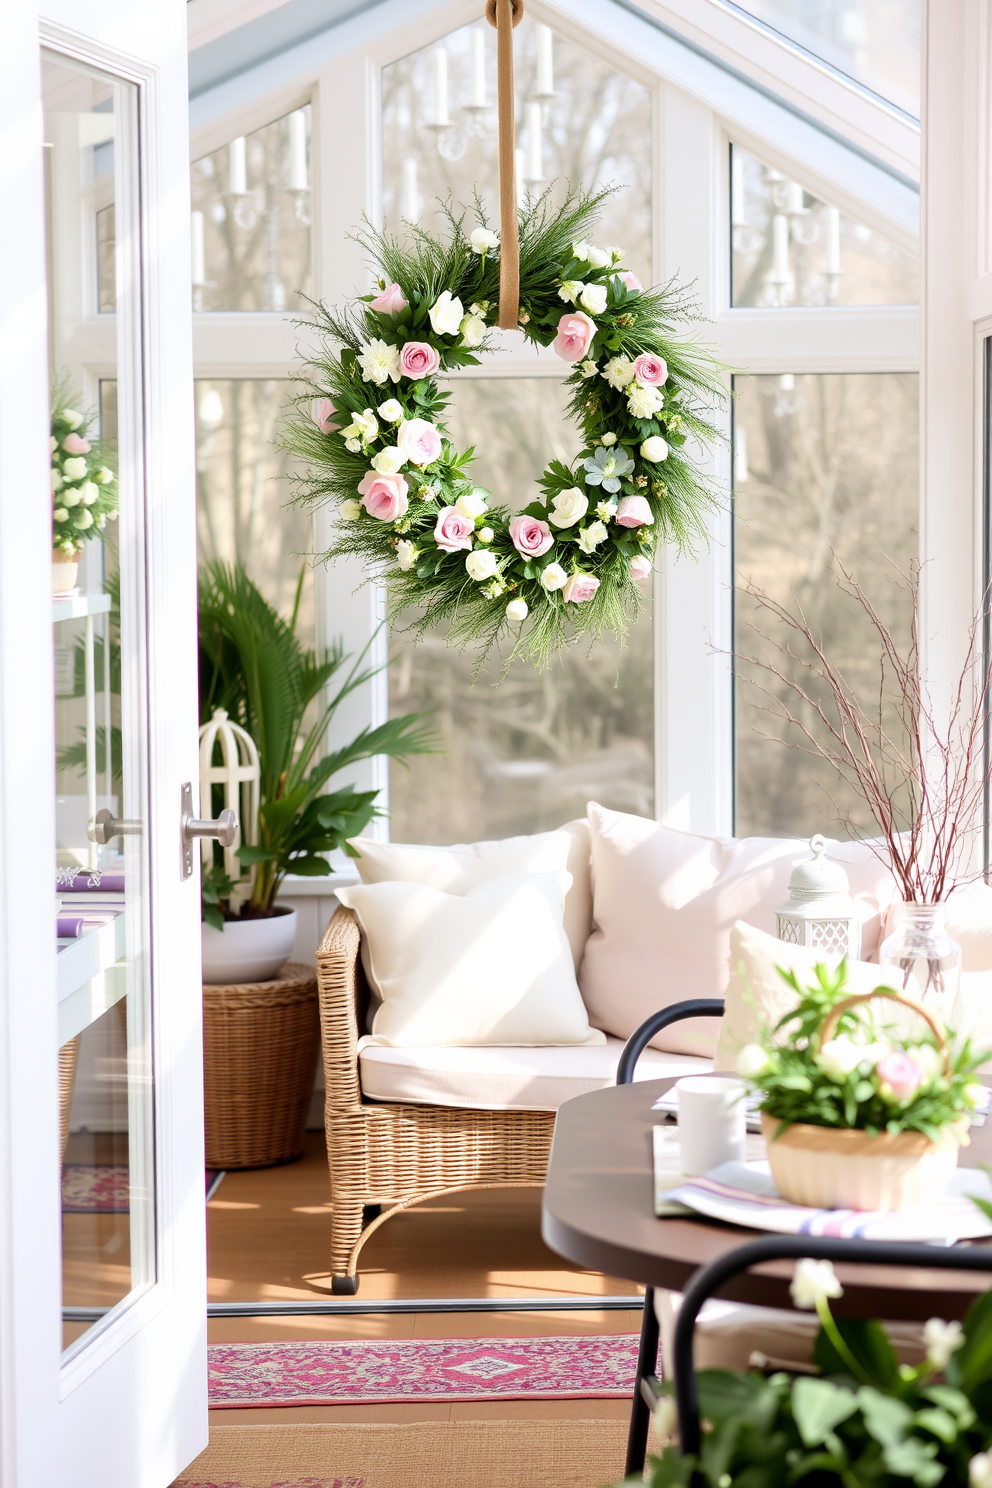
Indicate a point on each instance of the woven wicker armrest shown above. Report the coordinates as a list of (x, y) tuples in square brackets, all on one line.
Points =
[(342, 990)]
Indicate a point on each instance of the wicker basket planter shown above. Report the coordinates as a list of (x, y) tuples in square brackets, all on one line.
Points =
[(828, 1167), (261, 1041)]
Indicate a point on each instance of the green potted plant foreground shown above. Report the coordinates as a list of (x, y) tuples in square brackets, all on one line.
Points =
[(253, 665)]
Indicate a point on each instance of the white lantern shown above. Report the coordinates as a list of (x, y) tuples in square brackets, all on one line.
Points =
[(820, 912), (238, 773)]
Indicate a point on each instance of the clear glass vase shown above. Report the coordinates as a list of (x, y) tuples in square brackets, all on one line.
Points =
[(921, 959)]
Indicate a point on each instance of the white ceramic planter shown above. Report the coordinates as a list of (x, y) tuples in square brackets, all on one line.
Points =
[(248, 950), (825, 1167)]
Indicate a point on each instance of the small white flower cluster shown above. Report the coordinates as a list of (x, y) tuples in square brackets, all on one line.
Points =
[(644, 396), (83, 491)]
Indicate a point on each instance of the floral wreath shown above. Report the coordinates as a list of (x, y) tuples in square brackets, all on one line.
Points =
[(368, 426)]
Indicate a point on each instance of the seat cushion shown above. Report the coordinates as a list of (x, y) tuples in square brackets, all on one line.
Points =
[(494, 1079)]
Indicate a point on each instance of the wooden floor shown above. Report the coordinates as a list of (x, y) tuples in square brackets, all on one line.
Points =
[(268, 1236)]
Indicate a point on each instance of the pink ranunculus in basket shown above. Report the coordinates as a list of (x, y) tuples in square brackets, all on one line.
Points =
[(419, 441), (575, 333), (74, 445), (650, 370), (630, 279), (384, 496), (453, 530), (390, 301), (634, 511), (899, 1077), (530, 536), (322, 412), (418, 359), (580, 588)]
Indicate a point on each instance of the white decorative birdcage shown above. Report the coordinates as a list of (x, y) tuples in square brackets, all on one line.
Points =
[(820, 912), (238, 773)]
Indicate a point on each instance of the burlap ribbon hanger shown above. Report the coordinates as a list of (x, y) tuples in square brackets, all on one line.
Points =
[(504, 15)]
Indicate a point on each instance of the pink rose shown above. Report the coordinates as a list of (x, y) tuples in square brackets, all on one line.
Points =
[(640, 567), (384, 496), (322, 411), (900, 1077), (650, 370), (419, 441), (575, 332), (418, 359), (634, 511), (73, 445), (390, 301), (453, 530), (530, 536), (580, 588), (631, 280)]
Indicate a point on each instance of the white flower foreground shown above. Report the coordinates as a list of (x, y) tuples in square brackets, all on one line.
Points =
[(369, 428)]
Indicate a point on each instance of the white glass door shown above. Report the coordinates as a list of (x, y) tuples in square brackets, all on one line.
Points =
[(102, 1081)]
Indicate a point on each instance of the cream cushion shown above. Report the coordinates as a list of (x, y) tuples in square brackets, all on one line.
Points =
[(969, 922), (663, 906), (491, 966), (494, 1079), (458, 868)]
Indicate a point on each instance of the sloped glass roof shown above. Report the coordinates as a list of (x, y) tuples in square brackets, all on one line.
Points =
[(875, 42)]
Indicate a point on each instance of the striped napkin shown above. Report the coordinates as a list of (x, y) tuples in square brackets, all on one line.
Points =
[(745, 1194)]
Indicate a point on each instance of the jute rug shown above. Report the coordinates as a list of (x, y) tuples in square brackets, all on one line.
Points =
[(387, 1371), (422, 1454)]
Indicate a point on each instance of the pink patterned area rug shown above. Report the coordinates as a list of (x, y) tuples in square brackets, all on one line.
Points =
[(296, 1483), (388, 1371), (99, 1188)]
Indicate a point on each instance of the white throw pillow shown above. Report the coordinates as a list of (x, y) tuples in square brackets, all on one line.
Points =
[(663, 905), (490, 966), (969, 922), (460, 867)]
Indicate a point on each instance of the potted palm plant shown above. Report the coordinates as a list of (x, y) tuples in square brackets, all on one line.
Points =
[(253, 664)]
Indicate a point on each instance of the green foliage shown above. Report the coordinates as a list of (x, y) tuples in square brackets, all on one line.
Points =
[(861, 1423), (802, 1082), (403, 551), (253, 665), (84, 484), (73, 756)]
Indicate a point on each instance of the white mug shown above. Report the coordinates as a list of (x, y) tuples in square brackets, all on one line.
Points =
[(712, 1117)]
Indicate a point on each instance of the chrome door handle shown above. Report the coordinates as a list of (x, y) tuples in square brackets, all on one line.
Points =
[(104, 827), (224, 828)]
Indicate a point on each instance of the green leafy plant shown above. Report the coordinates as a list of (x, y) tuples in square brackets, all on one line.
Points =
[(863, 1077), (253, 664), (84, 486), (864, 1419)]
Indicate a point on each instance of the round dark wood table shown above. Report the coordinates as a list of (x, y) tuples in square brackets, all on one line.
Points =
[(599, 1212)]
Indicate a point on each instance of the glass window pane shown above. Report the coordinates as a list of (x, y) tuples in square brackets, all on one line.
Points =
[(242, 489), (578, 121), (102, 920), (251, 220), (825, 467), (526, 755), (791, 248), (876, 42)]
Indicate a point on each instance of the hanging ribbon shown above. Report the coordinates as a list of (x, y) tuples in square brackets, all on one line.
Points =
[(504, 15)]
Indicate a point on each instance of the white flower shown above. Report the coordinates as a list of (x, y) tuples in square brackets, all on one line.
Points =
[(569, 290), (389, 460), (607, 510), (406, 554), (446, 314), (472, 505), (752, 1062), (654, 449), (485, 534), (608, 439), (941, 1340), (973, 1092), (568, 507), (473, 329), (928, 1059), (517, 611), (104, 476), (644, 401), (354, 446), (617, 255), (618, 372), (665, 1419), (483, 240), (72, 418), (980, 1470), (379, 361), (495, 589), (60, 514), (88, 493), (588, 368), (554, 576), (56, 479), (590, 537), (812, 1282), (366, 424), (593, 298), (480, 307), (597, 257), (580, 250), (840, 1057), (391, 410), (351, 509), (85, 519), (70, 497), (75, 468), (481, 564)]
